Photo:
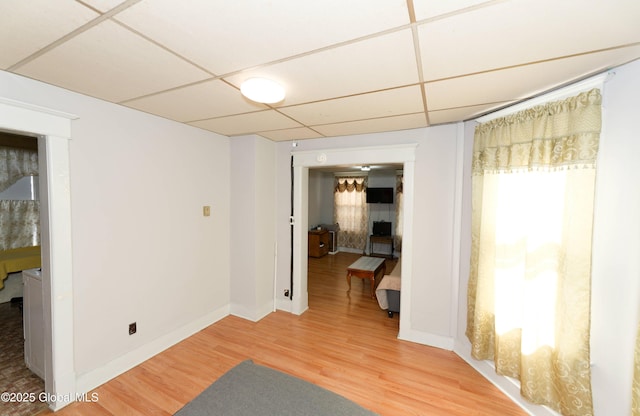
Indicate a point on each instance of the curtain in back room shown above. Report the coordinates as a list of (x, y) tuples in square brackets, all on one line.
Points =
[(19, 219), (351, 211)]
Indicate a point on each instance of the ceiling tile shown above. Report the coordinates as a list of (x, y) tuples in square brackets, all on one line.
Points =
[(291, 134), (508, 85), (104, 5), (197, 102), (427, 9), (404, 122), (478, 41), (247, 123), (120, 60), (374, 64), (348, 67), (386, 103), (226, 36), (27, 26), (464, 113)]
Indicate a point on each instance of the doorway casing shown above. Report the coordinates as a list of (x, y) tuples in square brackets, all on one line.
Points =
[(53, 129), (302, 161)]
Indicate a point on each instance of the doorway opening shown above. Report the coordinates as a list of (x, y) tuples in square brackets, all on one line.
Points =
[(302, 162), (53, 129)]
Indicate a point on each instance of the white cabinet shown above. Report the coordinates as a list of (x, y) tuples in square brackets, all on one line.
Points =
[(33, 317)]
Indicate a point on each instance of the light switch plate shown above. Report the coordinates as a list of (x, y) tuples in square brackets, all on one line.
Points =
[(206, 210)]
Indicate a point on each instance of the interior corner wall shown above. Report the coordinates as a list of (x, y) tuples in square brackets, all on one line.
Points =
[(283, 197), (320, 197), (252, 226)]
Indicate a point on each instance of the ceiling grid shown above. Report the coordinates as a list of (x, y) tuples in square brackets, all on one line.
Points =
[(362, 66)]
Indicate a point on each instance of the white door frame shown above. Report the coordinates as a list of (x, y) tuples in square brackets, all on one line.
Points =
[(54, 131), (302, 161)]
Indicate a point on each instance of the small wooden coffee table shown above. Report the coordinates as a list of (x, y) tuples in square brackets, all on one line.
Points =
[(366, 268)]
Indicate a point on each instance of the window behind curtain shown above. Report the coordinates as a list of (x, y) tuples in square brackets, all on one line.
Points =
[(529, 289), (351, 211), (19, 207)]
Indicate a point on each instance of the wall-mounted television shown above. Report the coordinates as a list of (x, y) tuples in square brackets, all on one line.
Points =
[(379, 195)]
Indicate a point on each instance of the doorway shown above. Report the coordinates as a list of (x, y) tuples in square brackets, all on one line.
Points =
[(302, 161), (53, 129)]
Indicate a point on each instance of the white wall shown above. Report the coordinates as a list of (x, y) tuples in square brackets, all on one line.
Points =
[(615, 308), (320, 197), (382, 212), (252, 222), (142, 250), (615, 301)]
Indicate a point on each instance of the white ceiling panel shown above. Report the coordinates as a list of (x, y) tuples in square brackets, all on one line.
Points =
[(348, 67), (226, 36), (104, 5), (453, 115), (204, 100), (374, 64), (515, 32), (397, 101), (109, 62), (247, 123), (507, 84), (291, 134), (428, 9), (27, 26), (410, 121)]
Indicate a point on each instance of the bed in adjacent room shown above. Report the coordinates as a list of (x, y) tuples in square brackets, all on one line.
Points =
[(18, 259)]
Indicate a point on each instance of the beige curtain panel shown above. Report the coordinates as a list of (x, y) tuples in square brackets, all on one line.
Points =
[(529, 285), (19, 224), (351, 211), (16, 163)]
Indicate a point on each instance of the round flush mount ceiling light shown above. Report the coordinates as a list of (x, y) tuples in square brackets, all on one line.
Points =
[(262, 90)]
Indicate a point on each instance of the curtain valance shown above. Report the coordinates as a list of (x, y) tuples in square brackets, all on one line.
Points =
[(350, 184), (552, 136)]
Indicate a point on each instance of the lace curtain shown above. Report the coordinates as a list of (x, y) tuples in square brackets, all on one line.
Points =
[(397, 242), (530, 280), (19, 224), (16, 163), (351, 211)]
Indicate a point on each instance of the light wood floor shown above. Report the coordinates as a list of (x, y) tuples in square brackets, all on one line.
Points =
[(344, 343)]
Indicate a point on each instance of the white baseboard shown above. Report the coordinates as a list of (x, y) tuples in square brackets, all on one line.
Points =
[(251, 314), (89, 381), (508, 386), (426, 338), (284, 305)]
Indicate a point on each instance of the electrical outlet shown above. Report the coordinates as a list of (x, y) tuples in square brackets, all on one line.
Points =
[(286, 292), (132, 328)]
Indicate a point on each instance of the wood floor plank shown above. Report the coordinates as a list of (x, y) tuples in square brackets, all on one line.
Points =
[(344, 343)]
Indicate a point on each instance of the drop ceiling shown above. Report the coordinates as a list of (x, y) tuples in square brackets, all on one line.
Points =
[(349, 67)]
